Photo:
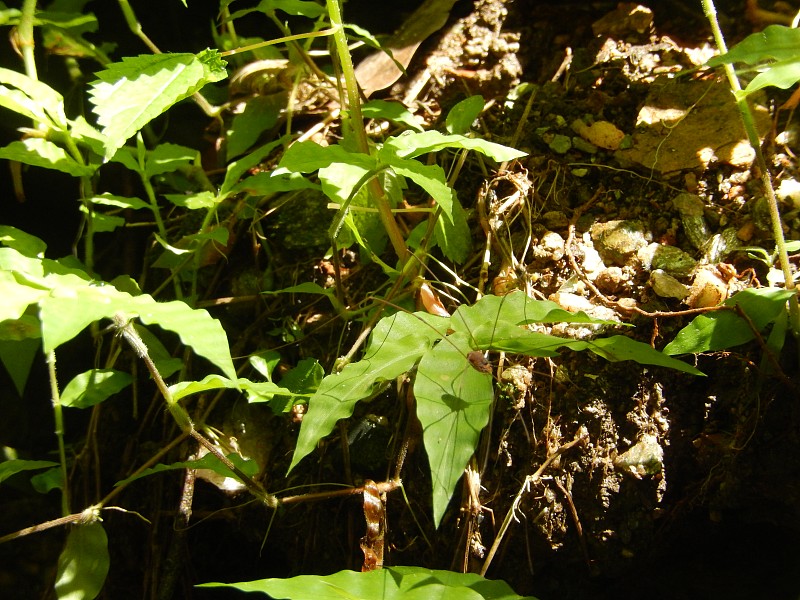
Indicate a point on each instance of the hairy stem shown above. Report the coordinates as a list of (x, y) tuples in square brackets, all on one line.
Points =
[(752, 135)]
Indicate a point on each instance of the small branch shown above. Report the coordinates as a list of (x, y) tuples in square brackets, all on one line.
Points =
[(123, 325), (752, 136), (526, 485)]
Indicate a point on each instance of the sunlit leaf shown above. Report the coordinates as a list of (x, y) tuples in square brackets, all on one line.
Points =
[(32, 98), (775, 47), (389, 583), (396, 344), (39, 152), (461, 117), (410, 144), (391, 111), (119, 201), (199, 200), (74, 303), (453, 402), (83, 564), (131, 93), (259, 115), (94, 386), (23, 242), (308, 156), (166, 158), (723, 329), (12, 467)]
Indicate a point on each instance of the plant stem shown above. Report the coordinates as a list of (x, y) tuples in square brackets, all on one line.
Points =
[(25, 37), (182, 418), (353, 104), (135, 26), (58, 417), (752, 135)]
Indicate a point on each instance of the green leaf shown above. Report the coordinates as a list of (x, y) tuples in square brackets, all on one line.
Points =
[(260, 114), (389, 583), (396, 344), (73, 303), (17, 356), (204, 199), (454, 238), (297, 8), (239, 167), (165, 362), (183, 389), (265, 362), (24, 243), (724, 329), (39, 152), (131, 93), (12, 467), (50, 480), (461, 117), (340, 181), (83, 564), (775, 43), (101, 222), (304, 378), (391, 111), (264, 184), (209, 461), (32, 98), (618, 348), (308, 156), (410, 144), (166, 158), (453, 405), (75, 21), (94, 386), (119, 201), (431, 178), (16, 296)]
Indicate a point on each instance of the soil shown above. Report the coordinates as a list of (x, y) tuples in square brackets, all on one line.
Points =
[(637, 192)]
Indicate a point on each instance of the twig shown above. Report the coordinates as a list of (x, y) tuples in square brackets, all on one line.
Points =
[(577, 522), (123, 325), (529, 480)]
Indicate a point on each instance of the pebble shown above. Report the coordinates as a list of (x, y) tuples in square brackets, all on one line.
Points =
[(618, 241)]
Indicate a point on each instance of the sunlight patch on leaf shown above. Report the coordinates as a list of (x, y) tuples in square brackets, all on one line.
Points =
[(83, 564), (39, 152), (94, 386), (410, 144), (131, 93), (389, 583)]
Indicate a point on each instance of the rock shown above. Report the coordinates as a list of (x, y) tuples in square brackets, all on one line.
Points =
[(628, 18), (610, 280), (646, 457), (691, 209), (789, 192), (560, 144), (685, 125), (669, 259), (618, 241), (550, 247), (555, 219), (667, 286), (708, 289)]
